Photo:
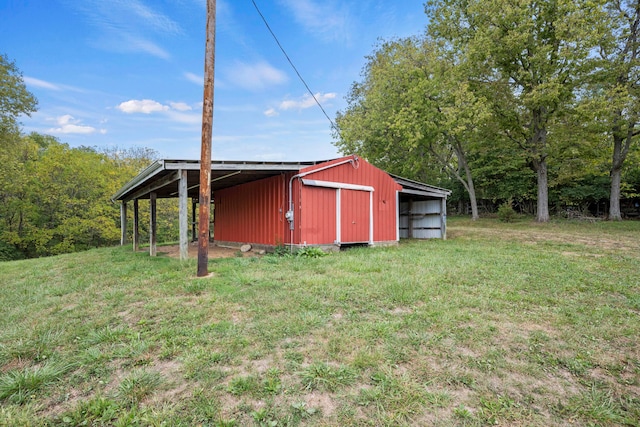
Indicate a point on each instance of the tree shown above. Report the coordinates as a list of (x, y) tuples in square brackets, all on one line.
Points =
[(15, 99), (56, 199), (617, 85), (528, 58), (414, 110)]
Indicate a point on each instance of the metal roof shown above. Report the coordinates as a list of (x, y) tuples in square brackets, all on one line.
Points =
[(419, 188), (161, 177)]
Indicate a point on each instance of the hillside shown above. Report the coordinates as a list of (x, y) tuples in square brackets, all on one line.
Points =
[(508, 324)]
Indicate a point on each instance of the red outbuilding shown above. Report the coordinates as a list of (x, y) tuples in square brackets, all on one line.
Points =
[(333, 203)]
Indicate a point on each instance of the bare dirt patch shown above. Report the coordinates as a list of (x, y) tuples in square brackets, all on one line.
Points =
[(176, 387), (215, 251), (324, 402), (14, 365)]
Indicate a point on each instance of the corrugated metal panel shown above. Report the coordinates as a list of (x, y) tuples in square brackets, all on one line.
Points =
[(354, 216), (360, 172), (427, 234), (423, 222), (252, 212), (318, 219), (404, 222), (430, 221), (427, 206)]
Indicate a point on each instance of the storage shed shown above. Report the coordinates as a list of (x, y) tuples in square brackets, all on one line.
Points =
[(332, 203)]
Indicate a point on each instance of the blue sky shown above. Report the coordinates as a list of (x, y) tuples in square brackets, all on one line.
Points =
[(129, 73)]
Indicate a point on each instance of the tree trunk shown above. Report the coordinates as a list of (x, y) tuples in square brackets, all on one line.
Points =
[(539, 146), (468, 182), (620, 150), (614, 198), (543, 192), (474, 202), (470, 188)]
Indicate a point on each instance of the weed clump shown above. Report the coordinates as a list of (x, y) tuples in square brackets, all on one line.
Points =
[(310, 252), (506, 212), (304, 252)]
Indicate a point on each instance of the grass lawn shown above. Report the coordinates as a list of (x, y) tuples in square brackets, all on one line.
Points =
[(501, 324)]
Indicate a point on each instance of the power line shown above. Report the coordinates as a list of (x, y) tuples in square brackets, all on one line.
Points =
[(333, 125)]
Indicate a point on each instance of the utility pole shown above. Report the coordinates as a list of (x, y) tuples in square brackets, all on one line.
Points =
[(205, 152)]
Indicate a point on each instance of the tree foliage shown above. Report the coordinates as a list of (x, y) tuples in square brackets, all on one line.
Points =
[(15, 99), (528, 58), (522, 100), (616, 90), (414, 109), (56, 199)]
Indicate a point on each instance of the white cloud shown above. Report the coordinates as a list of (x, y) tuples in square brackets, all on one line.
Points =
[(43, 84), (271, 112), (255, 76), (145, 106), (180, 106), (69, 125), (134, 43), (127, 25), (194, 78), (306, 101), (179, 112), (151, 18), (323, 19), (40, 83)]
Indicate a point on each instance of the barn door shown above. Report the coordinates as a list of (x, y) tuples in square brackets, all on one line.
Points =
[(318, 221), (355, 216)]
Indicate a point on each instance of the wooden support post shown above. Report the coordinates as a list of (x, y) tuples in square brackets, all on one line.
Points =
[(123, 223), (183, 216), (194, 202), (136, 226), (152, 224)]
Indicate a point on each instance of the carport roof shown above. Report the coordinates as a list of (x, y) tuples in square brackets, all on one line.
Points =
[(161, 175), (419, 188)]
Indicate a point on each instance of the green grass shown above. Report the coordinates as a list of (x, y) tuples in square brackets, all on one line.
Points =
[(503, 323)]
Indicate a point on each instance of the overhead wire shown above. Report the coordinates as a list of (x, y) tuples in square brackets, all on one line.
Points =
[(333, 125)]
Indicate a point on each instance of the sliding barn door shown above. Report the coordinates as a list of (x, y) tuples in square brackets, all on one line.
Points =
[(355, 216)]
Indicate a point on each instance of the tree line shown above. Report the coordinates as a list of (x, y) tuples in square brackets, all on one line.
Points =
[(57, 199), (532, 102)]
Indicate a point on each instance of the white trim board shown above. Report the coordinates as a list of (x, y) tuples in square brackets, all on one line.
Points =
[(341, 185)]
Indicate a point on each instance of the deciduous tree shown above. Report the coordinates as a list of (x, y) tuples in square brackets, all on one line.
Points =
[(414, 111), (15, 99), (529, 56), (617, 84)]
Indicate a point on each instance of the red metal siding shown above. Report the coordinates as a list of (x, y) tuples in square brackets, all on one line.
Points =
[(295, 235), (318, 218), (360, 173), (255, 212), (252, 212), (354, 216)]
